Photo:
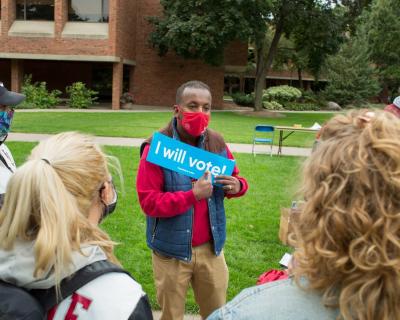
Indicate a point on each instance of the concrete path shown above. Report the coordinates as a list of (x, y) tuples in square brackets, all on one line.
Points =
[(136, 142), (157, 316)]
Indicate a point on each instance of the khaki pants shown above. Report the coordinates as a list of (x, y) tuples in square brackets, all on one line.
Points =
[(206, 273)]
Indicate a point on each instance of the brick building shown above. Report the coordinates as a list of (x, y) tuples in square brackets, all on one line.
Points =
[(102, 43)]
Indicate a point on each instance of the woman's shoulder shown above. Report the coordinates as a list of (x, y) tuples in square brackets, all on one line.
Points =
[(110, 296), (281, 300)]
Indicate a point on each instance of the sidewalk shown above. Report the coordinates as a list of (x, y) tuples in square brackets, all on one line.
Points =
[(136, 142), (157, 315)]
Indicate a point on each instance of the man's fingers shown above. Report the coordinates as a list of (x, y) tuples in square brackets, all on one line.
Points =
[(223, 181), (224, 178), (228, 187), (207, 176)]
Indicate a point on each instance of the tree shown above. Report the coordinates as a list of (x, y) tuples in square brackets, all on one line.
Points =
[(354, 9), (202, 28), (199, 29), (352, 78), (289, 58), (315, 26), (319, 34), (383, 25)]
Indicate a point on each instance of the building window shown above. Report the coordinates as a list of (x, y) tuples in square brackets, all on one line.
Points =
[(35, 10), (88, 10)]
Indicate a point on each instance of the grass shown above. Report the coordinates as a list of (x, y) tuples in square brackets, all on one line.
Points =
[(252, 244), (235, 127)]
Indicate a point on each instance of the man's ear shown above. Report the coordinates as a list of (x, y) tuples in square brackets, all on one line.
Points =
[(176, 110)]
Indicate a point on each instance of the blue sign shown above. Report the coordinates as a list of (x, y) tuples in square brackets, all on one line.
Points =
[(186, 159)]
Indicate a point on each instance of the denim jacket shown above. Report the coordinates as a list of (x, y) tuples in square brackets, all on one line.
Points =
[(278, 300)]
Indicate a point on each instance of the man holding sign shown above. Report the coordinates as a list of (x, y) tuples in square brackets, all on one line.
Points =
[(186, 224)]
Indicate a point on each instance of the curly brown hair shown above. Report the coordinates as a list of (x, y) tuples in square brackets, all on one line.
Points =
[(348, 233)]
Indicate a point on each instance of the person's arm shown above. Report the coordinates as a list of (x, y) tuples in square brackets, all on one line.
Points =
[(152, 198)]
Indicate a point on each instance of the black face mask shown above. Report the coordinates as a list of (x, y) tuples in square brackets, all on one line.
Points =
[(109, 208)]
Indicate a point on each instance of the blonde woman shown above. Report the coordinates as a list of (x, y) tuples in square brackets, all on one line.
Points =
[(347, 261), (49, 230)]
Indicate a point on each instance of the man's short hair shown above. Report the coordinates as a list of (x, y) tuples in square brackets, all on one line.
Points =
[(194, 84)]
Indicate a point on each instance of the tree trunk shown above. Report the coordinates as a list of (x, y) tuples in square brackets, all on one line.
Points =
[(260, 75), (264, 64), (299, 73), (241, 84)]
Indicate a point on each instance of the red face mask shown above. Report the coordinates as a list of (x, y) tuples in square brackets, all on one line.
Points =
[(194, 123)]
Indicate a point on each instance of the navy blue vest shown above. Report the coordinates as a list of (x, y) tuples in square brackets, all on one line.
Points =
[(173, 236)]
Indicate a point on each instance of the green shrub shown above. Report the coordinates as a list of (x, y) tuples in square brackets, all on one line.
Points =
[(243, 99), (272, 105), (297, 106), (79, 96), (37, 95), (281, 93), (309, 96)]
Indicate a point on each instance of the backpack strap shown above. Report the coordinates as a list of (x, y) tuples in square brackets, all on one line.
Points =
[(6, 158), (48, 297), (3, 160)]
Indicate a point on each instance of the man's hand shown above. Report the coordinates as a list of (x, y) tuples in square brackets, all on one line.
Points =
[(202, 188), (231, 185)]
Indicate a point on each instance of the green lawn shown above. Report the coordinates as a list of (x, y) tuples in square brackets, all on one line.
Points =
[(235, 127), (253, 221)]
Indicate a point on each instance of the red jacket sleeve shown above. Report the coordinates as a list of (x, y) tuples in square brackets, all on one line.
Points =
[(235, 173), (152, 198)]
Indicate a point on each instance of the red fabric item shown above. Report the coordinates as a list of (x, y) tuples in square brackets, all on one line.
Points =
[(157, 203), (393, 109), (195, 122), (272, 275)]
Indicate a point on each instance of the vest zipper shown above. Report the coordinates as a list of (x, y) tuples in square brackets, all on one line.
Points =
[(191, 237), (154, 231)]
